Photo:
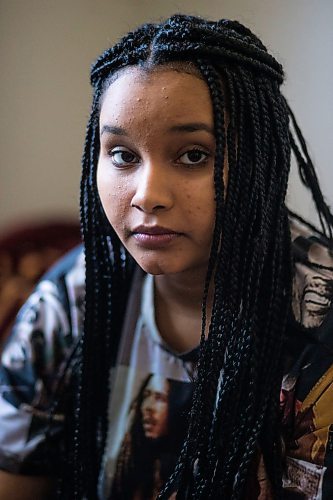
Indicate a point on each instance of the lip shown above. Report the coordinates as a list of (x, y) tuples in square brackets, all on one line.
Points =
[(153, 230), (148, 424), (154, 237), (149, 421)]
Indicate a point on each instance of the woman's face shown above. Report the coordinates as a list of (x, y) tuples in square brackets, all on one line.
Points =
[(155, 169), (155, 408)]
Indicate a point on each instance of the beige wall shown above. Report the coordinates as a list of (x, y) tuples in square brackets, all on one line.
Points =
[(46, 47)]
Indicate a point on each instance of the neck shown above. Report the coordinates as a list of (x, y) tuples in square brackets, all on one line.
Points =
[(185, 288), (178, 308)]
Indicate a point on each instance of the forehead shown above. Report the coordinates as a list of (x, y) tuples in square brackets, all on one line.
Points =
[(162, 93), (158, 384)]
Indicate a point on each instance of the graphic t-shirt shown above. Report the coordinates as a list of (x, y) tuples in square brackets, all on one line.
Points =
[(152, 386)]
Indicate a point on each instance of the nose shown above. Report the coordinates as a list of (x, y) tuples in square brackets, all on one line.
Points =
[(153, 188), (147, 405)]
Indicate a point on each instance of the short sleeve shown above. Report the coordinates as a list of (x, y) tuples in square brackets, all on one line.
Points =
[(33, 367)]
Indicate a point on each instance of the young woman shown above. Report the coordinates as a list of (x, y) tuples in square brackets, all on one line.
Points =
[(193, 271)]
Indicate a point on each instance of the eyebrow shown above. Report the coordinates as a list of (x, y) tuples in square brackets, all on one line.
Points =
[(111, 129), (192, 127), (186, 127)]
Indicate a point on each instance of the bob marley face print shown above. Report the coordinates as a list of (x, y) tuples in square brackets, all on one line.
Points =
[(154, 407), (313, 286)]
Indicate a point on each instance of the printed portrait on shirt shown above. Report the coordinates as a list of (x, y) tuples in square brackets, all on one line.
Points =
[(313, 286), (157, 423)]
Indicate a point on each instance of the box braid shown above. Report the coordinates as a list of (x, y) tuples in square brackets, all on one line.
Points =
[(235, 411)]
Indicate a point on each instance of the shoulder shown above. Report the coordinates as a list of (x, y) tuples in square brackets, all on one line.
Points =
[(63, 285), (33, 361), (50, 320), (69, 262)]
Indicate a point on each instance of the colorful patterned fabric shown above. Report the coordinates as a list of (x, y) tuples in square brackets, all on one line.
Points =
[(34, 366)]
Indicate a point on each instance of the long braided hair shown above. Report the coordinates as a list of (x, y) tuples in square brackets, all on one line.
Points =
[(235, 410)]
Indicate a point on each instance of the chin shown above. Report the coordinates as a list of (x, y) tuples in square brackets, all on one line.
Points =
[(157, 267)]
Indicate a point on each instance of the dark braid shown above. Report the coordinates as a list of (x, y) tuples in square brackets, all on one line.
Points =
[(309, 178), (235, 411)]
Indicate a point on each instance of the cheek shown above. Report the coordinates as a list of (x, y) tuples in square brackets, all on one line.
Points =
[(199, 204), (114, 196), (161, 411)]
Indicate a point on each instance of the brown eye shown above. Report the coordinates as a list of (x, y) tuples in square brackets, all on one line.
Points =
[(122, 157), (193, 157)]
